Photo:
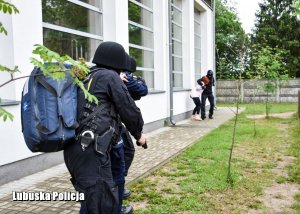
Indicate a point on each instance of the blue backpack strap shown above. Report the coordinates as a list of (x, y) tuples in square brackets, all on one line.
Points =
[(46, 85), (67, 85)]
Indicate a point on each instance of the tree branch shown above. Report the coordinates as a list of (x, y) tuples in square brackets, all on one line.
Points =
[(13, 79)]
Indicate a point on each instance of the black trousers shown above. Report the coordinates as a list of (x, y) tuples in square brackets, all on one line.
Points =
[(118, 169), (91, 174), (129, 149), (197, 105), (211, 101)]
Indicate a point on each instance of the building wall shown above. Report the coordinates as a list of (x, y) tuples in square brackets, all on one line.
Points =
[(26, 29)]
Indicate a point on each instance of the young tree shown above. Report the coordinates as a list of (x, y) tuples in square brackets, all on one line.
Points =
[(230, 36), (269, 65), (242, 55), (277, 26)]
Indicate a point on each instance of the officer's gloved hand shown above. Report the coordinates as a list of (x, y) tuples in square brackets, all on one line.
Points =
[(142, 141)]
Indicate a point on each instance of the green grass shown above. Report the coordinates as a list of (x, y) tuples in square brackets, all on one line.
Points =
[(294, 150), (260, 108), (195, 181)]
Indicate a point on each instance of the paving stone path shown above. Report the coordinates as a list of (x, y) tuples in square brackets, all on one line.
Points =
[(163, 144)]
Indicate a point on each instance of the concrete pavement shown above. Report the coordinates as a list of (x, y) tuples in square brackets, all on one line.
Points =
[(163, 144)]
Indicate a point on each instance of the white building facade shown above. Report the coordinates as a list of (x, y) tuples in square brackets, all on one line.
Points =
[(77, 27)]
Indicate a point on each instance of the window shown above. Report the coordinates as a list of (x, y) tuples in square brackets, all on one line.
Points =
[(72, 27), (176, 7), (197, 44), (141, 43), (209, 3)]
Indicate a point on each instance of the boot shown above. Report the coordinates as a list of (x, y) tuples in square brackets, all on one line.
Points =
[(127, 209), (126, 193)]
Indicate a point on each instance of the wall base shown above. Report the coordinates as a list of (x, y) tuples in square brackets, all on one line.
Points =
[(28, 166)]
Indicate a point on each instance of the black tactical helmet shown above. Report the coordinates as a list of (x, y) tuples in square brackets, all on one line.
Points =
[(210, 73), (132, 65), (110, 54)]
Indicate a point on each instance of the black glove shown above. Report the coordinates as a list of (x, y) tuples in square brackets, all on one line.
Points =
[(145, 146), (141, 79)]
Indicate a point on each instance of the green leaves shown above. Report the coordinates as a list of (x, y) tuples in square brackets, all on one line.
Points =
[(11, 71), (277, 27), (296, 6), (2, 29), (6, 7), (5, 114), (87, 95), (52, 64), (231, 42), (269, 63)]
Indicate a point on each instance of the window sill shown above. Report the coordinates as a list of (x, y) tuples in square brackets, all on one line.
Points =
[(153, 91), (5, 102), (181, 89)]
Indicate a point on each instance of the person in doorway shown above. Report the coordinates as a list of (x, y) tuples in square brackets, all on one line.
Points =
[(89, 158), (207, 82), (195, 95)]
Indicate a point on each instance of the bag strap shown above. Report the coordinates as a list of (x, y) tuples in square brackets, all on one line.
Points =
[(67, 85), (98, 109), (40, 127), (91, 86), (46, 85)]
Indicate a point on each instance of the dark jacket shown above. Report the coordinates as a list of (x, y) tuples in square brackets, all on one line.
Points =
[(207, 89), (109, 89), (136, 86)]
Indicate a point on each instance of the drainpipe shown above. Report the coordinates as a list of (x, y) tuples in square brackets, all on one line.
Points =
[(214, 50), (170, 63)]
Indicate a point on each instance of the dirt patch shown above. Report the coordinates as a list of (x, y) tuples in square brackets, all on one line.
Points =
[(139, 205), (277, 115), (278, 198)]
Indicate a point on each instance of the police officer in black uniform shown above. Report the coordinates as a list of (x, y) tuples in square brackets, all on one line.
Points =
[(88, 158), (137, 88), (207, 94)]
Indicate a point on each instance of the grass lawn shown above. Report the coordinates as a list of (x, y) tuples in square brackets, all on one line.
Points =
[(195, 181)]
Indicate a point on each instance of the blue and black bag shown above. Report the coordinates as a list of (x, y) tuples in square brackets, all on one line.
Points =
[(48, 111)]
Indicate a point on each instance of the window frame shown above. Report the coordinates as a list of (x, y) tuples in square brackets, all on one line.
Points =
[(180, 57), (144, 48), (196, 35), (78, 32)]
